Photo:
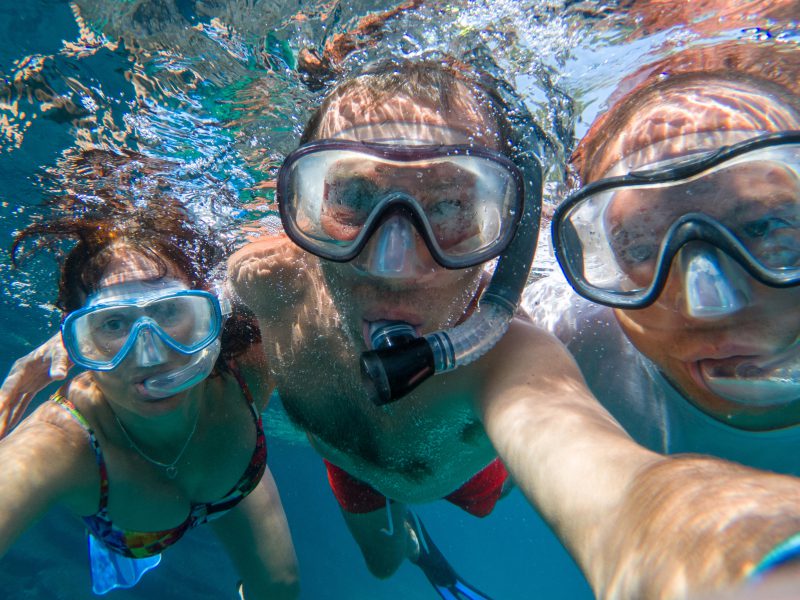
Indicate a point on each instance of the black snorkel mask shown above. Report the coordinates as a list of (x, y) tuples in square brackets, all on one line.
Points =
[(334, 217)]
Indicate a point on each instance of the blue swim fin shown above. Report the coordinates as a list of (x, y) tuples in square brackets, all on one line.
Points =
[(438, 571), (111, 570)]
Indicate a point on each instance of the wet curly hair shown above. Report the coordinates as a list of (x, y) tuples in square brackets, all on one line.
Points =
[(101, 212)]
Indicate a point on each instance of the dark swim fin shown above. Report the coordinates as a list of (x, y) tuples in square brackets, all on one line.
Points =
[(438, 571)]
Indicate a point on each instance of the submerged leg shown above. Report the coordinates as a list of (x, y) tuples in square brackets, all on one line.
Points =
[(389, 535), (382, 537)]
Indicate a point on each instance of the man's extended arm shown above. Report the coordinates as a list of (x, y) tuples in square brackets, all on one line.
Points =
[(641, 525)]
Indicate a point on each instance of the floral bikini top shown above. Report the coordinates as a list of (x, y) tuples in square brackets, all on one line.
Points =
[(142, 544)]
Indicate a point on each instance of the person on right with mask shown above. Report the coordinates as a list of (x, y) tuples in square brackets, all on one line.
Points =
[(685, 240)]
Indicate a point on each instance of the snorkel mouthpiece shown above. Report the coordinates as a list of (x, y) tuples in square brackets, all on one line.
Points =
[(388, 334), (399, 362)]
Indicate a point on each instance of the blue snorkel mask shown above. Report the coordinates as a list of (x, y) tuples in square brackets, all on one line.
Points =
[(125, 321), (713, 217)]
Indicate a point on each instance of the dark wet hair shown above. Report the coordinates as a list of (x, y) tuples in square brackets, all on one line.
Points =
[(433, 83), (162, 236), (154, 225)]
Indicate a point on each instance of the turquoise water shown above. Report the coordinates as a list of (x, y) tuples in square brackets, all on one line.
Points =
[(210, 86)]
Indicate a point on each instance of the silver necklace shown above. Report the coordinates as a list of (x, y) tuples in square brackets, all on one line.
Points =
[(171, 468)]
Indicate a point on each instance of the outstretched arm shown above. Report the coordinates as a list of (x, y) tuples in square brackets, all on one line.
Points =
[(45, 460), (782, 584), (256, 536), (641, 525), (28, 376)]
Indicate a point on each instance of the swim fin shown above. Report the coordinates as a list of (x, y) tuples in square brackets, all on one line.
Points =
[(438, 571), (111, 570)]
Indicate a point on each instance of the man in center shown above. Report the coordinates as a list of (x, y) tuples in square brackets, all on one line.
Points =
[(403, 185)]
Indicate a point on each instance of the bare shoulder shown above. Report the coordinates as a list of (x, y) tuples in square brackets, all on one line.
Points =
[(529, 348), (52, 423), (254, 360), (269, 273), (267, 247)]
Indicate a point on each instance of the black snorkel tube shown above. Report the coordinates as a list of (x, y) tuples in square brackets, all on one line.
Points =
[(400, 360)]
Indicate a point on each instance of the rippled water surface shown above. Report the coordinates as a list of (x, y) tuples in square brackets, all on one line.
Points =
[(214, 92)]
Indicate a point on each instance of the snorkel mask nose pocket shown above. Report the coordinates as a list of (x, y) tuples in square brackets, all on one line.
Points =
[(714, 286), (393, 251), (196, 370), (149, 350)]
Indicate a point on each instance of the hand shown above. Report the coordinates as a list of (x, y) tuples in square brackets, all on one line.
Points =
[(269, 274), (28, 375)]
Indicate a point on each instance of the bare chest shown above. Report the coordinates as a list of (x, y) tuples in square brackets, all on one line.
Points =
[(419, 448)]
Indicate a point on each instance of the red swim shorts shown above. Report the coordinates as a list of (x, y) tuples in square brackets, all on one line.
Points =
[(478, 496)]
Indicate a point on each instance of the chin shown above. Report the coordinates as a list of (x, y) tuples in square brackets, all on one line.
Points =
[(158, 404)]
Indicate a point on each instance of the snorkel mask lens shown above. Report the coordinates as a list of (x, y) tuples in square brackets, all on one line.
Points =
[(464, 202), (616, 238)]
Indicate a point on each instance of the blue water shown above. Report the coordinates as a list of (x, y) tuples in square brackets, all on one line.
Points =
[(178, 80)]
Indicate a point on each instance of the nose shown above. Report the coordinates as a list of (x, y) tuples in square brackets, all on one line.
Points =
[(393, 252), (714, 285), (149, 349)]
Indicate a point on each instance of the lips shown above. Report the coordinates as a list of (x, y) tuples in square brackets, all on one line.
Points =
[(720, 349), (392, 313), (146, 395), (141, 389), (761, 380), (729, 366)]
